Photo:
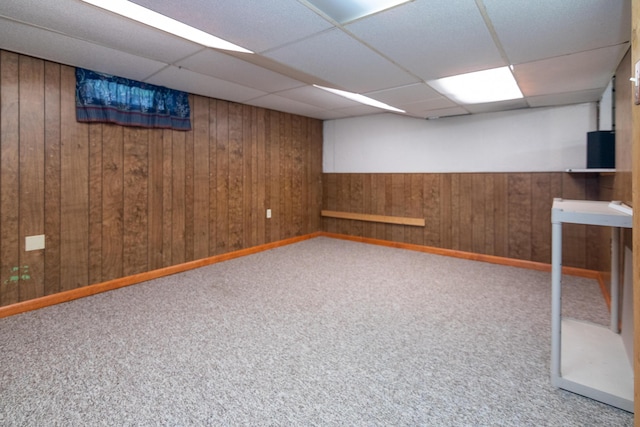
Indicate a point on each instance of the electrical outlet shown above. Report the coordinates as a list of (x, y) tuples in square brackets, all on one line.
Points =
[(268, 213), (34, 243)]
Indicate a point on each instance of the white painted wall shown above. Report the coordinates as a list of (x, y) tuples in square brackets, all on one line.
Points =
[(529, 140)]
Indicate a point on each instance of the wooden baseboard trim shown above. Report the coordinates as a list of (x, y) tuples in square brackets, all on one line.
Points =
[(604, 287), (531, 265), (85, 291), (89, 290)]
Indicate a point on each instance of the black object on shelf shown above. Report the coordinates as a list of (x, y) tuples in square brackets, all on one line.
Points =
[(601, 149)]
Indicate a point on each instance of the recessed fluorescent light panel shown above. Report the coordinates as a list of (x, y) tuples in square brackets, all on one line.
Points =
[(343, 11), (479, 87), (361, 99), (164, 23)]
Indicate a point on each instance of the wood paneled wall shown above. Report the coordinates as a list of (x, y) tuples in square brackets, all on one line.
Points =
[(503, 214), (114, 201), (621, 187)]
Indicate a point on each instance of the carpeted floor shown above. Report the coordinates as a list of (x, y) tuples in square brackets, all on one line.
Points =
[(320, 333)]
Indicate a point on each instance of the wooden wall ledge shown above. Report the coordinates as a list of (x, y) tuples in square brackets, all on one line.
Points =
[(418, 222)]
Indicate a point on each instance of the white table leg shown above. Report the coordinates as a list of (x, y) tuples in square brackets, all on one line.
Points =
[(556, 300)]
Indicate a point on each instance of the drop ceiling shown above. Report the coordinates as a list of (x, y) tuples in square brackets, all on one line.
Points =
[(562, 51)]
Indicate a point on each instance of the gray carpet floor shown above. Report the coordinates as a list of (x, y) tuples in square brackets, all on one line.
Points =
[(324, 332)]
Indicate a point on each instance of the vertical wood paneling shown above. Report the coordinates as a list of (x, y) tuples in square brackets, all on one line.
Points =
[(249, 207), (478, 198), (519, 217), (31, 182), (416, 203), (489, 214), (466, 224), (51, 179), (236, 170), (156, 211), (95, 203), (222, 177), (446, 218), (273, 202), (356, 185), (136, 199), (455, 211), (542, 198), (298, 197), (315, 176), (595, 236), (573, 235), (114, 201), (167, 197), (189, 189), (330, 201), (501, 212), (431, 210), (379, 194), (213, 176), (260, 178), (343, 201), (367, 203), (74, 158), (397, 205), (285, 204), (9, 178), (178, 199)]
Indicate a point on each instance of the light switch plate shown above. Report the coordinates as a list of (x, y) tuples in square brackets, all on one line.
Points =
[(34, 243)]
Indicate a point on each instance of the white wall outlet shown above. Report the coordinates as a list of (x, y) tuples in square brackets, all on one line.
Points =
[(268, 213), (34, 243)]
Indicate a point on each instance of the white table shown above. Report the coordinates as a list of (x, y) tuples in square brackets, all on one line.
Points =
[(586, 358)]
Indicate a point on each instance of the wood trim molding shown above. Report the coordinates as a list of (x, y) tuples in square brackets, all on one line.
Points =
[(97, 288), (401, 220), (531, 265), (89, 290)]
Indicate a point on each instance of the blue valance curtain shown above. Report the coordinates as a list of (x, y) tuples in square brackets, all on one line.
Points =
[(105, 98)]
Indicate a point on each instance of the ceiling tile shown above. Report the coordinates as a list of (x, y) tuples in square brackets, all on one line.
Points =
[(432, 39), (359, 110), (427, 107), (56, 47), (226, 67), (569, 73), (404, 95), (279, 103), (512, 104), (531, 30), (255, 25), (564, 51), (199, 84), (318, 97), (339, 59), (447, 112), (98, 26), (580, 97)]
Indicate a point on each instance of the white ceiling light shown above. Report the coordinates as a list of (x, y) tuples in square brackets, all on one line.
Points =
[(361, 99), (479, 87), (348, 10), (164, 23)]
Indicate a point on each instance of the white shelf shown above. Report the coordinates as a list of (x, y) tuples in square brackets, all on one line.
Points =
[(589, 212), (586, 358), (590, 170), (595, 364)]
